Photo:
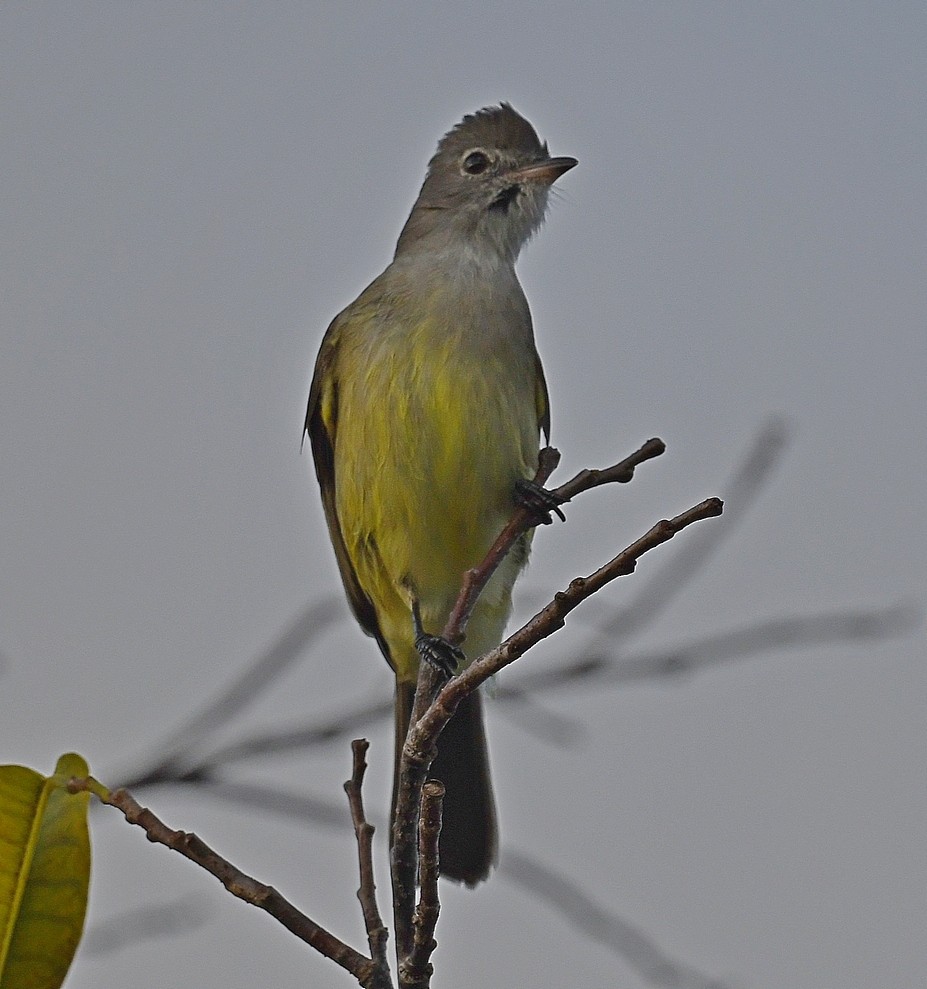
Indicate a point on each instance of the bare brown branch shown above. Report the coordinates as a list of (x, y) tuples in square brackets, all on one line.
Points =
[(740, 492), (429, 718), (522, 519), (619, 473), (416, 970), (418, 807), (246, 888), (403, 850), (180, 766), (428, 721), (417, 758), (545, 623), (377, 934), (475, 579)]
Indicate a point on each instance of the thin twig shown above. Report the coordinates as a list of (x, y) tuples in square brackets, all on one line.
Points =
[(403, 848), (420, 746), (181, 915), (619, 473), (298, 737), (523, 519), (274, 799), (675, 571), (377, 934), (239, 884), (591, 668), (416, 969), (477, 577), (420, 756), (545, 623)]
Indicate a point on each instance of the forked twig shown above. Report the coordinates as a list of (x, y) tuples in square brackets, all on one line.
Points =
[(432, 710)]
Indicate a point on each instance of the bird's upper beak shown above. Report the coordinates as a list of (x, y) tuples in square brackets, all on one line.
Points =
[(544, 172)]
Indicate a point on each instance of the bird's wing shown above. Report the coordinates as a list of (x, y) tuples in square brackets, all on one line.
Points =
[(542, 399), (321, 426)]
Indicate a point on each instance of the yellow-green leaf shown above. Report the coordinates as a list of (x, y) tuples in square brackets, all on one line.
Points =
[(44, 873)]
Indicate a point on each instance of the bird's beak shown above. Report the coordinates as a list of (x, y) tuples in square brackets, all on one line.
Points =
[(543, 172)]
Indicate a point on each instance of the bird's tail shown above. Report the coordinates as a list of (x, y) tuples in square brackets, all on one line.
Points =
[(468, 845)]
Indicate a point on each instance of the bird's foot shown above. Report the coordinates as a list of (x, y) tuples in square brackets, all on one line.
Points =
[(539, 501), (438, 653), (435, 650)]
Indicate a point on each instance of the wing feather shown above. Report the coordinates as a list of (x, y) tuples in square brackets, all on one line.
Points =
[(321, 426)]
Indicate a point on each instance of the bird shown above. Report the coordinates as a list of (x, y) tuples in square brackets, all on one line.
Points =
[(426, 409)]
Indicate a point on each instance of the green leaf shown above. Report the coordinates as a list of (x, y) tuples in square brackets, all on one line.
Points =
[(44, 873)]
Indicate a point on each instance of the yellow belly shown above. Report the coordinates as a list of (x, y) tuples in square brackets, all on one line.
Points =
[(431, 440)]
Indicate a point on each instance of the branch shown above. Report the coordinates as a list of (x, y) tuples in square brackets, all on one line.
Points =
[(522, 520), (420, 746), (476, 578), (551, 618), (741, 491), (620, 473), (590, 669), (246, 888), (596, 667), (179, 765), (377, 934), (418, 756), (416, 970)]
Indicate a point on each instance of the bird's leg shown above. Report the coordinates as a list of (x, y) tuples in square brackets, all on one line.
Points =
[(538, 500), (435, 650)]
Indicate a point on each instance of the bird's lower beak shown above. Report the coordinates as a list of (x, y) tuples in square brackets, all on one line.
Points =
[(544, 172)]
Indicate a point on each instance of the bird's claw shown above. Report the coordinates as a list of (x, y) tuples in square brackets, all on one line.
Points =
[(438, 653), (539, 501)]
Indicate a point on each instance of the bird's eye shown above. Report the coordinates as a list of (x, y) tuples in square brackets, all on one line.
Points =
[(476, 162)]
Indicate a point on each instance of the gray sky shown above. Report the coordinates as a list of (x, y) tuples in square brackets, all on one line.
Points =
[(191, 191)]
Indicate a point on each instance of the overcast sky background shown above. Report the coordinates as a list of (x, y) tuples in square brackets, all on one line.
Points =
[(190, 191)]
